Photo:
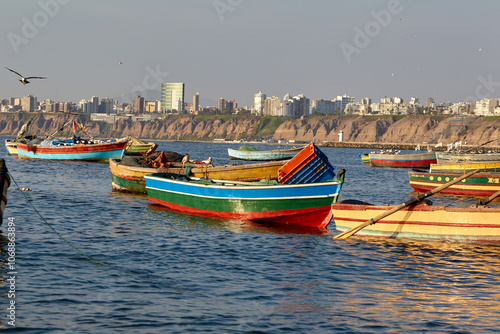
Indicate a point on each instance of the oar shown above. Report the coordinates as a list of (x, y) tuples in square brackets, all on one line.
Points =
[(489, 199), (348, 233)]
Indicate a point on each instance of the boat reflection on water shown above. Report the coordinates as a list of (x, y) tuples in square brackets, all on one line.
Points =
[(234, 225)]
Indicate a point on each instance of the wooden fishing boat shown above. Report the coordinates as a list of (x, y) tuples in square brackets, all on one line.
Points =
[(68, 150), (365, 158), (480, 184), (453, 157), (11, 146), (257, 155), (130, 178), (396, 160), (138, 147), (4, 184), (421, 222), (269, 201), (465, 167)]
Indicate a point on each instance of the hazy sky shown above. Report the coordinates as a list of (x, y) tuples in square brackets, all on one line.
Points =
[(446, 49)]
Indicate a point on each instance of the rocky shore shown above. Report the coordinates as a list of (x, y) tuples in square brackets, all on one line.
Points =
[(357, 131)]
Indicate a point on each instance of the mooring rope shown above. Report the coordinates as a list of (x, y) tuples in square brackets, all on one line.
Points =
[(52, 228)]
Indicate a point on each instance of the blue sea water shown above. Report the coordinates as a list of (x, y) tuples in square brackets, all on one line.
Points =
[(154, 271)]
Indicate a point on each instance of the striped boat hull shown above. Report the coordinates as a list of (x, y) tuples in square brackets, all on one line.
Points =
[(422, 222), (423, 160), (465, 167), (87, 152), (302, 204), (480, 184)]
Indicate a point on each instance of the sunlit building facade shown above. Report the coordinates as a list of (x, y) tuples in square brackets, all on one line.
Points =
[(172, 96)]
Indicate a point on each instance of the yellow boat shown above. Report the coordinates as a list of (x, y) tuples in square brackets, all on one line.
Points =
[(479, 224), (138, 147), (127, 178)]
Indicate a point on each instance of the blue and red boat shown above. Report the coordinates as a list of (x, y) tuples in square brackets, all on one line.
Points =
[(263, 201), (69, 150)]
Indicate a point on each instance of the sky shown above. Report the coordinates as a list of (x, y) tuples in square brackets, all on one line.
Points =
[(446, 49)]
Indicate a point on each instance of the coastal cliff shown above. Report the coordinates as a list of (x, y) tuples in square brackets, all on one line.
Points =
[(358, 129)]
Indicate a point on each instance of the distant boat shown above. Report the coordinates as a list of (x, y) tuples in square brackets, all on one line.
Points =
[(421, 222), (479, 184), (365, 158), (253, 154), (68, 150), (465, 167), (262, 201), (4, 184), (450, 157), (128, 177), (11, 144), (138, 147), (396, 160)]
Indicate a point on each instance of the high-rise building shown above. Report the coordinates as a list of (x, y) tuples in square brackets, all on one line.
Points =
[(231, 105), (272, 106), (323, 106), (172, 96), (138, 105), (196, 102), (222, 104), (95, 104), (342, 102), (106, 105), (366, 100), (429, 103), (29, 103), (301, 105), (258, 103)]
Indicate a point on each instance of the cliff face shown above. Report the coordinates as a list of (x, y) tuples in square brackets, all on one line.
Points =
[(411, 129)]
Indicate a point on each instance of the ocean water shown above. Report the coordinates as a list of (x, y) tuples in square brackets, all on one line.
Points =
[(138, 268)]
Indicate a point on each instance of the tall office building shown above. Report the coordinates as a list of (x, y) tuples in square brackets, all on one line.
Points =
[(258, 103), (29, 103), (221, 104), (138, 105), (95, 104), (172, 96), (106, 105), (196, 102)]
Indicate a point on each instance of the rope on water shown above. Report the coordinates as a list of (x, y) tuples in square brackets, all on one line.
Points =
[(53, 230)]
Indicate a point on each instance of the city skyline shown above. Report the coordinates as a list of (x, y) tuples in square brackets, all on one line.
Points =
[(234, 49)]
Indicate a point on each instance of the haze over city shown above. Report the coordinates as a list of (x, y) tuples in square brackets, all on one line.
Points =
[(235, 48)]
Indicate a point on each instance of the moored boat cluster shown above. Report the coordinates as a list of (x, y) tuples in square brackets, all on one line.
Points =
[(290, 186)]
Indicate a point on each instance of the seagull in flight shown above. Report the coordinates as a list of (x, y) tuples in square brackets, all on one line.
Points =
[(23, 79)]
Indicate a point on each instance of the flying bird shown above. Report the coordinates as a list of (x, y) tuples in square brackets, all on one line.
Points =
[(23, 79)]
